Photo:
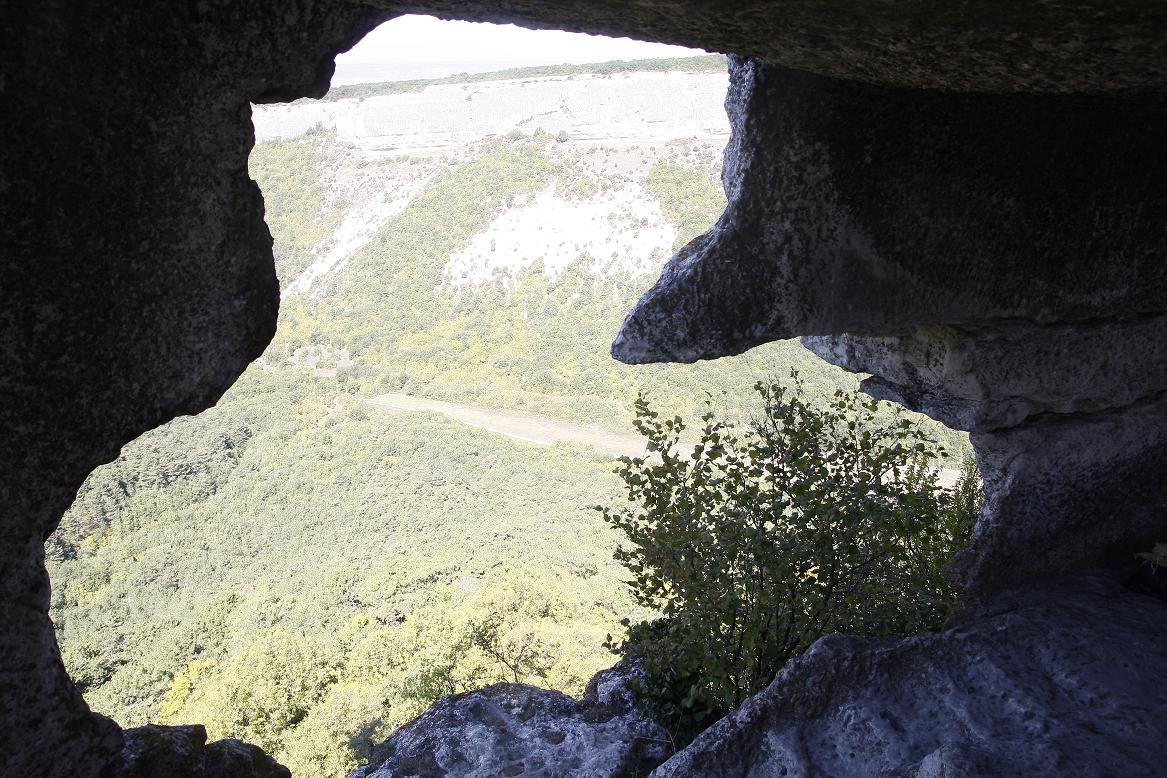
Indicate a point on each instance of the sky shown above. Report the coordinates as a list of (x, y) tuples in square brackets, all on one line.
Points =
[(421, 40)]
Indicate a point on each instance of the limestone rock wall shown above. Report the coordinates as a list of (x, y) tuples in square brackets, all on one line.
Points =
[(868, 209), (519, 730), (1069, 423), (1064, 679), (136, 275)]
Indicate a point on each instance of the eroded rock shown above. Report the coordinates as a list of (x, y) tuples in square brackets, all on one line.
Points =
[(519, 730), (1070, 427), (1003, 374), (1001, 263), (1068, 678), (864, 209), (1090, 46)]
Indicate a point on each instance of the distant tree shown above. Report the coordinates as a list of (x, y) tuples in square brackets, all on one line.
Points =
[(755, 542)]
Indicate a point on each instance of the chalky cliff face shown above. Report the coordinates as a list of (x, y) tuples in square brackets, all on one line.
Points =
[(968, 205)]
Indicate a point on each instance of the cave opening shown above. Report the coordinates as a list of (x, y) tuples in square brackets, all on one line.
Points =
[(392, 504), (410, 465), (972, 196)]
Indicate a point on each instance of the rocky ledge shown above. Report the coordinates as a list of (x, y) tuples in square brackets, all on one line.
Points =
[(1069, 678), (173, 752), (519, 730)]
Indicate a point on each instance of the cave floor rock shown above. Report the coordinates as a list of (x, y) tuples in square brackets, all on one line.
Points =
[(519, 730), (1069, 678)]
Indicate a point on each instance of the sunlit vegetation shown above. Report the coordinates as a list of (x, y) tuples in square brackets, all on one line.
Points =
[(755, 541), (289, 554), (295, 205)]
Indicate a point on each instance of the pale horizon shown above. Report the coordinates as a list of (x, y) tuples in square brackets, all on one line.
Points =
[(425, 40)]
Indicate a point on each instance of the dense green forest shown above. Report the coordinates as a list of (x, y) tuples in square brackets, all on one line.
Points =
[(296, 569)]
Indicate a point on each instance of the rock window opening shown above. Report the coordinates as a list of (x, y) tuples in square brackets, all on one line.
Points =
[(392, 504), (965, 206)]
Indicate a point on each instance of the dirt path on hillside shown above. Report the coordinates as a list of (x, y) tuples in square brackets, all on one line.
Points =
[(539, 429), (528, 427)]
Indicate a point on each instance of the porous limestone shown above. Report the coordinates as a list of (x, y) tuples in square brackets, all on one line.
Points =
[(867, 209), (1067, 678), (1069, 423), (519, 730)]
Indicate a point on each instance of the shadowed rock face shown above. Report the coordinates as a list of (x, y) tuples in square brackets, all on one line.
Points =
[(1036, 46), (856, 208), (136, 278), (1069, 423)]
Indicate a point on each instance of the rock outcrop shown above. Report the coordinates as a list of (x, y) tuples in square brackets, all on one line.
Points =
[(993, 262), (1069, 423), (1068, 678), (136, 277), (519, 730), (163, 752), (865, 209)]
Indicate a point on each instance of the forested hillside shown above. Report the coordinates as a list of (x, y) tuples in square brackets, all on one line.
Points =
[(297, 569)]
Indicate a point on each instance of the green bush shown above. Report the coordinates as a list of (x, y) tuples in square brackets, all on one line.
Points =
[(757, 541)]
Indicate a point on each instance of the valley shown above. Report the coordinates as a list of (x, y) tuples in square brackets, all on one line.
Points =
[(344, 538)]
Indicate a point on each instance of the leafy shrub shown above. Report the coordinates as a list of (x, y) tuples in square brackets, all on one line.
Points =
[(813, 520)]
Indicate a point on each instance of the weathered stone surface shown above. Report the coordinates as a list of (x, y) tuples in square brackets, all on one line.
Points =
[(516, 730), (855, 208), (1065, 679), (1030, 278), (136, 277), (1064, 493), (995, 376), (183, 752)]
